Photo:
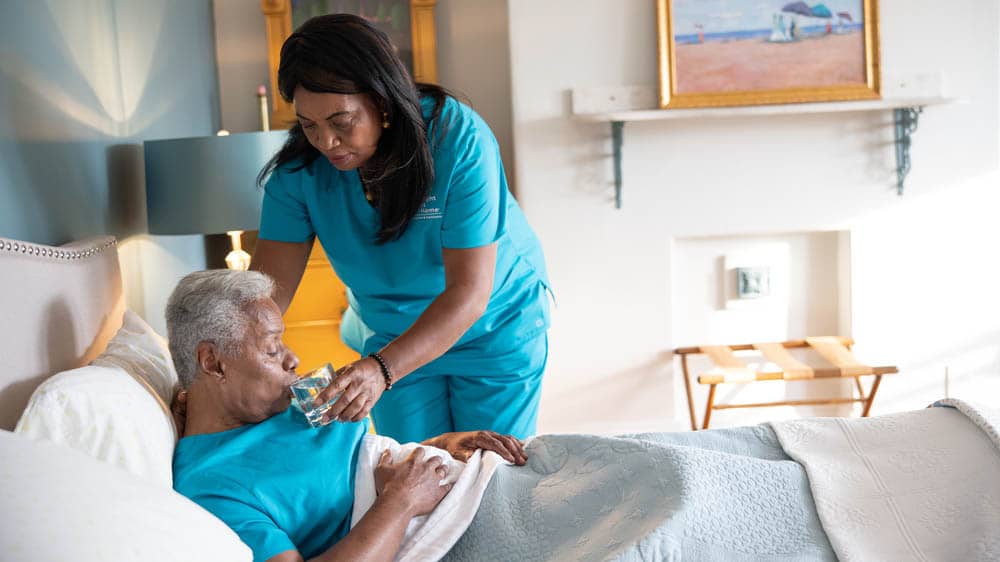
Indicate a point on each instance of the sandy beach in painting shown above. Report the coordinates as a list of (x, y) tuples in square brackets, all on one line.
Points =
[(755, 64)]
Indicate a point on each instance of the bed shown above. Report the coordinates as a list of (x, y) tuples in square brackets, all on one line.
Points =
[(88, 478), (86, 475)]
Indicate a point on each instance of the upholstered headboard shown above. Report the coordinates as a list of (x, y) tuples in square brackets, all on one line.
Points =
[(59, 306)]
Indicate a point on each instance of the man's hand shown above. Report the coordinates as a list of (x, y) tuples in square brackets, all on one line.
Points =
[(405, 489), (413, 482), (463, 444)]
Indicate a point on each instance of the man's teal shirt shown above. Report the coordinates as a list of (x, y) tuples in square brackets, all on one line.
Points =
[(280, 484)]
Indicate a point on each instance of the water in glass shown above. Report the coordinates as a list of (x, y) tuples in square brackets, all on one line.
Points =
[(307, 388)]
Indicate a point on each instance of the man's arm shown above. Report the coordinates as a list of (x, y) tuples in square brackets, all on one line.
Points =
[(405, 489), (376, 537)]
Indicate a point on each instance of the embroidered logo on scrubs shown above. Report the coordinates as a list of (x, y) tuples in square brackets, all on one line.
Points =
[(427, 212)]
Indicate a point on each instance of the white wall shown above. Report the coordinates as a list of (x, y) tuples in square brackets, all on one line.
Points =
[(151, 267), (241, 51), (804, 299), (927, 293), (612, 269), (473, 48)]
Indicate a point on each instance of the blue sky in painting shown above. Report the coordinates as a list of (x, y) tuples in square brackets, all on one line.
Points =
[(737, 15)]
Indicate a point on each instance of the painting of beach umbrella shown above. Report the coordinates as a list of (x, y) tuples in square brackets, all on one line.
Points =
[(822, 12), (841, 18), (796, 9), (743, 52), (800, 8)]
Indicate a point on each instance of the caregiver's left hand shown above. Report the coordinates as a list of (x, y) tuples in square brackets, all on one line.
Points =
[(463, 444), (362, 385)]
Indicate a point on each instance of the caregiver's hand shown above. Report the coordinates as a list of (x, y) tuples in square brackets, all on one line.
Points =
[(463, 444), (413, 482), (362, 385)]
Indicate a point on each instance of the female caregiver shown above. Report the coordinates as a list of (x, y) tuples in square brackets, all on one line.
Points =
[(404, 187)]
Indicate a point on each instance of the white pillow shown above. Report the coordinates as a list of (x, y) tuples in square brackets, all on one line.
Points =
[(58, 505), (117, 408), (108, 415), (142, 353)]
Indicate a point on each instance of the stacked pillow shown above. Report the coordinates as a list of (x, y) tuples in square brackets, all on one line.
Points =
[(59, 504), (100, 488), (141, 352), (117, 408)]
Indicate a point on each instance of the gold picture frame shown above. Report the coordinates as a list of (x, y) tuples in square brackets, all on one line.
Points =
[(701, 67), (278, 26)]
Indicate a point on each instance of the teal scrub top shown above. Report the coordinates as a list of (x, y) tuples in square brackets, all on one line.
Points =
[(279, 484), (390, 285)]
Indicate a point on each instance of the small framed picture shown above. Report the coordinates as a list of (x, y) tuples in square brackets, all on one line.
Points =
[(753, 282)]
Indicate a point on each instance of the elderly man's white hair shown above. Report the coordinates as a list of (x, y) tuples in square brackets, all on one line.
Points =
[(210, 306)]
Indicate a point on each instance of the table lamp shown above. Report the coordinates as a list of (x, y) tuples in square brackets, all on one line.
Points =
[(208, 185)]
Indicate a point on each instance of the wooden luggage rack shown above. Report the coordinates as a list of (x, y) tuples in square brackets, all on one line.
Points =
[(730, 369)]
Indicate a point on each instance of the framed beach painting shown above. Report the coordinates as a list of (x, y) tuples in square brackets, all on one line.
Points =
[(751, 52)]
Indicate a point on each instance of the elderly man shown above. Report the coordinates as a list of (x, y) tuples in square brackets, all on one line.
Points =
[(247, 456)]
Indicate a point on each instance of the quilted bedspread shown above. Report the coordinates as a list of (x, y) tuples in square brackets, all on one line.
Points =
[(922, 485), (728, 495)]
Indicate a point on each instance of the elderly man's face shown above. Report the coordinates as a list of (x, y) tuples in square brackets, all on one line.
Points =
[(257, 378)]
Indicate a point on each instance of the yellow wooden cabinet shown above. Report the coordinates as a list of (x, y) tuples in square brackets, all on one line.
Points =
[(312, 321)]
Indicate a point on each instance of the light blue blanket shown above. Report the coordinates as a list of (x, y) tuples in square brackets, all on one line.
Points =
[(726, 495)]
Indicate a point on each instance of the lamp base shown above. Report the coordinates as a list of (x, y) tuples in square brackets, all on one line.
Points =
[(237, 259)]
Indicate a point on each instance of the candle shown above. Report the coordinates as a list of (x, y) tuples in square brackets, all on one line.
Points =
[(265, 124)]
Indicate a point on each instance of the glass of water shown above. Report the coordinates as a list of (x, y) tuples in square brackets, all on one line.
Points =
[(307, 388)]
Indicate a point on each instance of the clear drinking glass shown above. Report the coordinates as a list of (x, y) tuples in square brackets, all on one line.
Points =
[(307, 388)]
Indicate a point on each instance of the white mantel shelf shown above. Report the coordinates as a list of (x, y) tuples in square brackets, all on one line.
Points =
[(755, 110), (906, 112)]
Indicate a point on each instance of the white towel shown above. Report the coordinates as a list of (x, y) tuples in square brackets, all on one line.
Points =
[(428, 537)]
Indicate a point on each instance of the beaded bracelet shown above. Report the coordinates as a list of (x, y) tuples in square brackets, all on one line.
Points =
[(386, 373)]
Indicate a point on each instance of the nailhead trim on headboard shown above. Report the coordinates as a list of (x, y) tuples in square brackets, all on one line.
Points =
[(18, 247)]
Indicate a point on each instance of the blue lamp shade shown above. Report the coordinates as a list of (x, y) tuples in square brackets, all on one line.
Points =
[(207, 185)]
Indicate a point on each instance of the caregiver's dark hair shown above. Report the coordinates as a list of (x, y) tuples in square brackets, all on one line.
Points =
[(344, 54)]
